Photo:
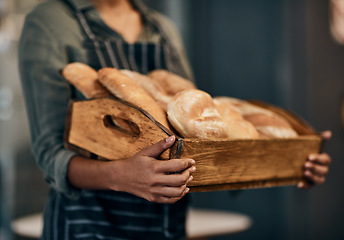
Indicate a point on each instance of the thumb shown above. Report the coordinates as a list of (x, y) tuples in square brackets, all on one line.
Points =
[(326, 135), (156, 149)]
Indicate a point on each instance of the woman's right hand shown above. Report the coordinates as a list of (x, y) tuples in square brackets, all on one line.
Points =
[(161, 181)]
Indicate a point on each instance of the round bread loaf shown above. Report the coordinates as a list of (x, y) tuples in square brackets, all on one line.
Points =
[(125, 88), (85, 79), (193, 114), (267, 123), (238, 127)]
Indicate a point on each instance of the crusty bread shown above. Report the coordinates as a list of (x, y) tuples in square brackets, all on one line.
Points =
[(238, 127), (267, 123), (170, 82), (155, 90), (85, 79), (193, 114), (125, 88)]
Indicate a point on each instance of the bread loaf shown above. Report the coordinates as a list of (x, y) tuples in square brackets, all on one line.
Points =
[(170, 82), (267, 123), (238, 127), (156, 91), (125, 88), (193, 114), (85, 79)]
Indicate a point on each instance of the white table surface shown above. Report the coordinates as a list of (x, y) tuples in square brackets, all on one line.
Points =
[(200, 223), (29, 226), (210, 223)]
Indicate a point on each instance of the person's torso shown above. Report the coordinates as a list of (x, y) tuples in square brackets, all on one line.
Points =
[(110, 214)]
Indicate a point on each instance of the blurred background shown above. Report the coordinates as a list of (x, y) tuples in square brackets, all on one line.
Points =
[(285, 52)]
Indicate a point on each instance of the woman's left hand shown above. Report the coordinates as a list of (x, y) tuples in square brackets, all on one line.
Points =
[(316, 167)]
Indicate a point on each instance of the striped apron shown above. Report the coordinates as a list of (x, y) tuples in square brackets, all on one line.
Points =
[(115, 215)]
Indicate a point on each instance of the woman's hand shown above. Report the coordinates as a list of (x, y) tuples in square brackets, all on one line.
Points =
[(161, 181), (316, 167)]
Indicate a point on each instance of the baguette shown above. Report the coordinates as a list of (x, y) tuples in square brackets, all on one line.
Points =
[(85, 79), (125, 88)]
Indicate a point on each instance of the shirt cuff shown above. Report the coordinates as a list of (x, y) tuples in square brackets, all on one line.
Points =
[(62, 183)]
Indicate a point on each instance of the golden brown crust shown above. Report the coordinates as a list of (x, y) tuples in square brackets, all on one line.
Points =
[(85, 79), (267, 123), (156, 91), (193, 114), (238, 127), (170, 82), (125, 88)]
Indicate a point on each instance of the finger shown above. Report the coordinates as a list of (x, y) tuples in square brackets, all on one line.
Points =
[(189, 180), (171, 192), (171, 200), (323, 158), (317, 169), (314, 178), (304, 185), (174, 165), (156, 149), (326, 135), (175, 180)]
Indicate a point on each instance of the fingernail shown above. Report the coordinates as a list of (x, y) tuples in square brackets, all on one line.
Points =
[(311, 157), (193, 162), (190, 179), (187, 190), (193, 169), (308, 165), (300, 184), (169, 139)]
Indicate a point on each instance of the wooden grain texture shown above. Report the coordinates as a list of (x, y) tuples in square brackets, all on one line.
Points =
[(244, 161), (246, 185), (114, 130), (91, 128)]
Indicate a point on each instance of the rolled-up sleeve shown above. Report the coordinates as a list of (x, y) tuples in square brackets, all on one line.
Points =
[(41, 58)]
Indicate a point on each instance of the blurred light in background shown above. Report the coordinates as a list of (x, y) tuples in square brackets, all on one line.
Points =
[(14, 135), (6, 97), (6, 25)]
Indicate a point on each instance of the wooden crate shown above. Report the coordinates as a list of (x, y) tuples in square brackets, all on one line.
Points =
[(112, 129)]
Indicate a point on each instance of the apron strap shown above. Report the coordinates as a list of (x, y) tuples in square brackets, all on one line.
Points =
[(85, 26), (91, 36)]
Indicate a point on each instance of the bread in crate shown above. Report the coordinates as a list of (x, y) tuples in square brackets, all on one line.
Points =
[(111, 128)]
